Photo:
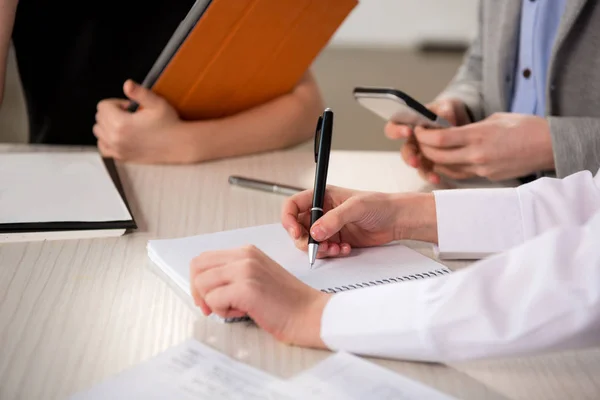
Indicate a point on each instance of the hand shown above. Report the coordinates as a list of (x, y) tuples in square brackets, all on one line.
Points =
[(359, 219), (503, 146), (238, 282), (150, 135), (453, 110)]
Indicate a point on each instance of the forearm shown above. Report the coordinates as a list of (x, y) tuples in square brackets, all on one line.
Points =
[(541, 296), (7, 18), (474, 223), (280, 123), (464, 223)]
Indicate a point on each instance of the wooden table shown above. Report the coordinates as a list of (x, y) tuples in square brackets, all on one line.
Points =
[(73, 313)]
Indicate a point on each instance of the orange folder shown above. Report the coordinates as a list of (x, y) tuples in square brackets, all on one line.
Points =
[(237, 54)]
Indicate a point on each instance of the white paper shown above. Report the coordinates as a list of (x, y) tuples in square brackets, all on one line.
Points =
[(189, 371), (58, 187), (363, 266), (347, 377)]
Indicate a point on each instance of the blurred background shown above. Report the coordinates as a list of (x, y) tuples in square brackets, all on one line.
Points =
[(412, 45)]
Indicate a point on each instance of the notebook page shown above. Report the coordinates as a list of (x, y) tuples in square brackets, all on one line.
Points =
[(347, 377), (189, 371), (58, 187), (370, 265)]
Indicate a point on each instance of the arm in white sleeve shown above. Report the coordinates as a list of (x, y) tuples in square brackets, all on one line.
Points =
[(543, 295), (474, 223)]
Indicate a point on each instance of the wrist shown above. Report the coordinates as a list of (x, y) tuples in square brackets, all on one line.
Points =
[(310, 327), (416, 217), (544, 145), (191, 141)]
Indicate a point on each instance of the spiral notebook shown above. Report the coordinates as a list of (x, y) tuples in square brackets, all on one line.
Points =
[(363, 268)]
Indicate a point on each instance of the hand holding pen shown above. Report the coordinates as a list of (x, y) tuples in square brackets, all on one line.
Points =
[(322, 150)]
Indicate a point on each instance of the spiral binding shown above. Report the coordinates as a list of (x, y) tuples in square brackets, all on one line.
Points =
[(397, 279)]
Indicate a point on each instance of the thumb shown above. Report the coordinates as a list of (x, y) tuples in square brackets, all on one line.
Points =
[(144, 97), (334, 220), (444, 109)]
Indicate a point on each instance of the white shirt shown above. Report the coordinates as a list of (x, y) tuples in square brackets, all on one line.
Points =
[(540, 291)]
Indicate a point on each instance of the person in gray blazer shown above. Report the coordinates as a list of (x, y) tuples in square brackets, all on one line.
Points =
[(526, 100)]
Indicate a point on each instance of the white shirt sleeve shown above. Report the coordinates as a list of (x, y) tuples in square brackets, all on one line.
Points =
[(541, 295), (474, 223)]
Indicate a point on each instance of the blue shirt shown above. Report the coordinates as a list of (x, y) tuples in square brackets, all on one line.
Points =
[(539, 25)]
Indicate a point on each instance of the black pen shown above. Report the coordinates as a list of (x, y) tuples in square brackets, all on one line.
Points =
[(264, 186), (322, 151)]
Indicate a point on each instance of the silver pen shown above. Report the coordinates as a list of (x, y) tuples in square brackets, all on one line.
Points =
[(264, 186)]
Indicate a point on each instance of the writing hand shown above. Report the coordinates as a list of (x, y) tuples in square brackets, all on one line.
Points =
[(244, 281), (359, 219)]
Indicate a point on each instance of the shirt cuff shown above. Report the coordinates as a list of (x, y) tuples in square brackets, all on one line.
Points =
[(474, 223), (383, 321)]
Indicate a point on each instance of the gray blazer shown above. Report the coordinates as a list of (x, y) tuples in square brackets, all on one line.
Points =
[(485, 79)]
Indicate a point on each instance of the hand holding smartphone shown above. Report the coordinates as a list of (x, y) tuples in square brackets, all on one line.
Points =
[(396, 106)]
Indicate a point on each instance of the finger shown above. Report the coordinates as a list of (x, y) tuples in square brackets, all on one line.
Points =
[(334, 250), (214, 259), (442, 138), (345, 249), (409, 152), (454, 171), (198, 299), (141, 95), (337, 250), (223, 300), (426, 167), (433, 178), (99, 132), (111, 103), (292, 208), (333, 221), (396, 131), (444, 109), (100, 121), (301, 241), (111, 115), (119, 103), (208, 280), (324, 246), (450, 156), (107, 151)]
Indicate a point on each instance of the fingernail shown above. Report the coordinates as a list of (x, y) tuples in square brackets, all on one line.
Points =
[(413, 162), (317, 233)]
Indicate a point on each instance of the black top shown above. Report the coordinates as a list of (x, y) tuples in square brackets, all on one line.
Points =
[(72, 54)]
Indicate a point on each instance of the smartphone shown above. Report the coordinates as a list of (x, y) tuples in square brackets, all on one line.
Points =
[(398, 107)]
